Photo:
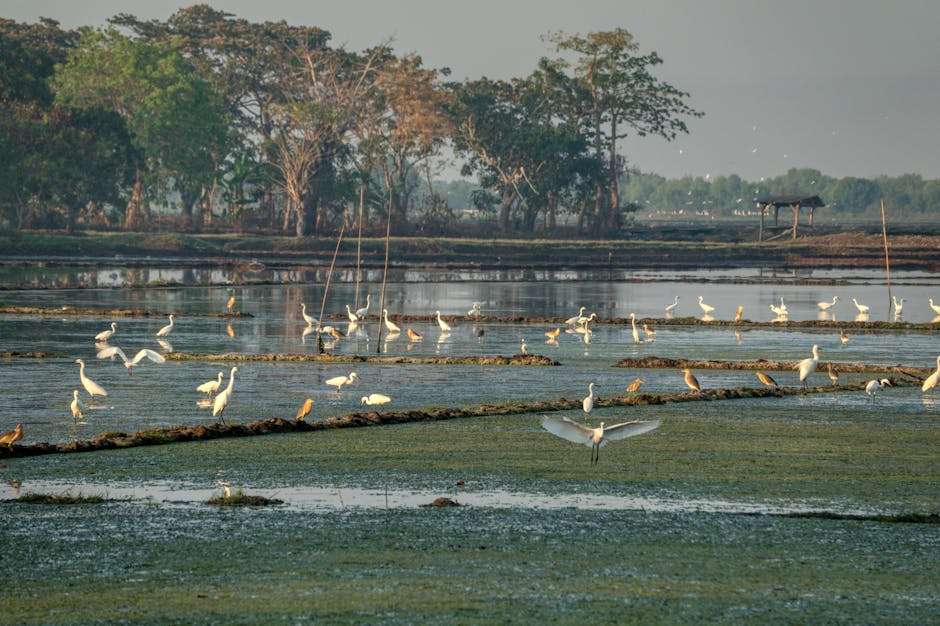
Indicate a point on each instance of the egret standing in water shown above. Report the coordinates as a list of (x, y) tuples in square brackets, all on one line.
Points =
[(93, 388), (230, 305), (587, 405), (392, 328), (898, 306), (843, 337), (339, 381), (307, 318), (571, 321), (475, 310), (739, 313), (595, 438), (808, 366), (221, 400), (352, 316), (935, 307), (523, 349), (672, 307), (445, 327), (874, 386), (76, 406), (832, 373), (210, 387), (633, 330), (933, 379), (649, 332), (825, 306), (706, 308), (361, 313), (863, 309), (375, 398), (106, 334), (166, 330)]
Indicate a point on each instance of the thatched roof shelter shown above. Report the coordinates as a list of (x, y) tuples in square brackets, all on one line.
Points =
[(796, 201)]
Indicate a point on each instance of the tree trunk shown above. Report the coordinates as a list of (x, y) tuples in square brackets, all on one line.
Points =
[(552, 210), (71, 212), (506, 196), (796, 219), (187, 203), (613, 217), (133, 214)]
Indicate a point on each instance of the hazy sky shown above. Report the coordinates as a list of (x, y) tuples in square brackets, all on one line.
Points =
[(851, 87)]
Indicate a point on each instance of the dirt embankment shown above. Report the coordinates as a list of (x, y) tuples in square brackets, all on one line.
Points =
[(518, 359), (657, 362), (105, 312)]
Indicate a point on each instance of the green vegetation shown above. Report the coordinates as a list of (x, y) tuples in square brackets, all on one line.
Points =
[(240, 498), (58, 499)]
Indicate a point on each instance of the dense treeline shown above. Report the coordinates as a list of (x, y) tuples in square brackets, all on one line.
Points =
[(209, 121)]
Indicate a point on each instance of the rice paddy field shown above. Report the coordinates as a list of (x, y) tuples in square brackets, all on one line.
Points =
[(815, 508)]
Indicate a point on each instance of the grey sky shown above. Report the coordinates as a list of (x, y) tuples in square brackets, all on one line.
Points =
[(851, 87)]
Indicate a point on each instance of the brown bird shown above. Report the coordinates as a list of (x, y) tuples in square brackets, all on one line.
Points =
[(413, 335), (12, 436), (553, 334), (230, 305), (635, 385), (739, 314), (304, 410), (335, 333), (649, 332), (767, 380), (692, 381), (229, 330), (833, 375)]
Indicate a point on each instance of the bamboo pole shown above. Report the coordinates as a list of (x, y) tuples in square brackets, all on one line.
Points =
[(388, 232), (362, 201), (884, 234), (329, 275)]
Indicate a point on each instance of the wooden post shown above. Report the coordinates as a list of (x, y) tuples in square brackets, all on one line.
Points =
[(388, 232), (796, 218), (812, 210), (884, 234), (776, 214), (362, 201), (760, 231), (329, 276)]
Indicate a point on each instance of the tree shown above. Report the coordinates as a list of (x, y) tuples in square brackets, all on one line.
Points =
[(175, 120), (854, 195)]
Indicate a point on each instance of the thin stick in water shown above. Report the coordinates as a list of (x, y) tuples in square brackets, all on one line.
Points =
[(884, 233)]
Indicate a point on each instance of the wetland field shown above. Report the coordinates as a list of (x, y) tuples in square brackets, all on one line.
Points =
[(794, 508)]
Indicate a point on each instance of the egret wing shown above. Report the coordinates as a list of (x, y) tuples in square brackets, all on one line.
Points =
[(109, 352), (146, 353), (629, 429), (569, 430)]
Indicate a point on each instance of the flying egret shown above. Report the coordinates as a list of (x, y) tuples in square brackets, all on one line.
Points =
[(832, 373), (691, 381), (304, 410), (633, 329), (767, 380), (76, 406), (672, 307), (571, 321), (588, 403), (553, 334), (339, 381), (445, 327), (360, 313), (935, 307), (221, 400), (166, 330), (307, 318), (375, 398), (706, 309), (145, 353), (11, 436), (93, 388), (106, 334), (595, 438), (874, 386), (825, 306), (210, 387), (475, 310), (843, 337), (635, 385), (392, 328), (863, 309), (352, 316), (808, 366), (413, 335), (932, 380)]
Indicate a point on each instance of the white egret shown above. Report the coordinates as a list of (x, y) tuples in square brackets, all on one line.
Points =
[(226, 488), (352, 316), (691, 381), (672, 307), (932, 380), (11, 436), (783, 306), (211, 387), (106, 334), (360, 313), (874, 386), (307, 318), (392, 328), (571, 321), (587, 405), (375, 398), (739, 313), (523, 349), (595, 438), (76, 406), (633, 329), (166, 330), (445, 327), (339, 381), (165, 345), (863, 309), (843, 337), (779, 312), (825, 306), (475, 310), (935, 307), (808, 366), (221, 400), (706, 309), (898, 305), (145, 353), (93, 388)]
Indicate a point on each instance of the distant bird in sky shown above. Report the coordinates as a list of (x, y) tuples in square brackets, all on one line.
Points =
[(130, 364), (304, 410), (375, 398), (766, 379), (595, 438), (93, 388), (808, 366), (106, 334), (210, 387), (166, 330), (339, 381)]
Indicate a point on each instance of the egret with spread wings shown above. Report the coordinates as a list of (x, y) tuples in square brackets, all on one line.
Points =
[(595, 438), (130, 364)]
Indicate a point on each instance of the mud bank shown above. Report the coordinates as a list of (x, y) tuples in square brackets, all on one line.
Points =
[(274, 425), (103, 312), (660, 362), (518, 359)]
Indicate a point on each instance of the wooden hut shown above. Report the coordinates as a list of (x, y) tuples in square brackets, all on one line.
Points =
[(795, 201)]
